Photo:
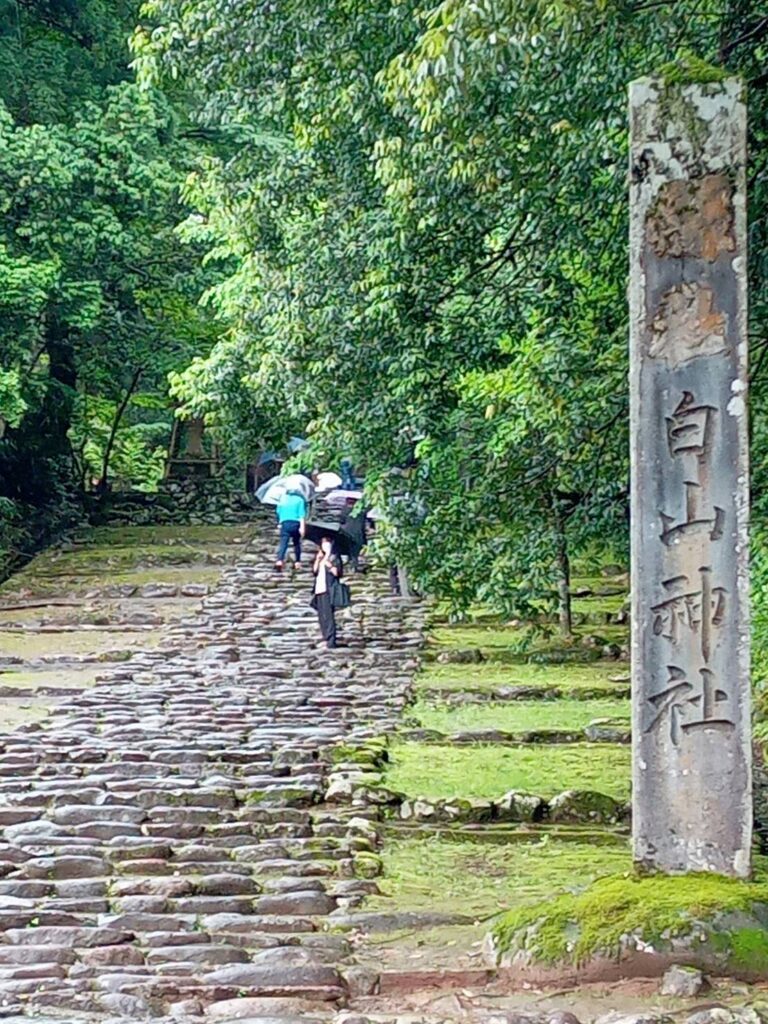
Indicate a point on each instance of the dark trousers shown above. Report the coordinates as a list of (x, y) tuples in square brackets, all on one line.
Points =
[(290, 530), (326, 617)]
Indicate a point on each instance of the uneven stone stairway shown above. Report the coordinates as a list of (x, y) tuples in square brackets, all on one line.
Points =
[(164, 848)]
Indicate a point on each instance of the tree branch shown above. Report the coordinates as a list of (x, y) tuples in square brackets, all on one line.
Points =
[(84, 39), (115, 424), (758, 30)]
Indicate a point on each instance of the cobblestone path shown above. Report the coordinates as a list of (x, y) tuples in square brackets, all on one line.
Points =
[(164, 846)]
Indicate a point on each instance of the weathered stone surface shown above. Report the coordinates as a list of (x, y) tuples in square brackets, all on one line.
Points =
[(690, 629), (266, 1010), (583, 806), (360, 981), (519, 807), (725, 1015), (682, 981), (617, 1017), (296, 903)]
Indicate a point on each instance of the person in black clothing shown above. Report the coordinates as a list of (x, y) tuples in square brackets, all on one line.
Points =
[(328, 571), (353, 527)]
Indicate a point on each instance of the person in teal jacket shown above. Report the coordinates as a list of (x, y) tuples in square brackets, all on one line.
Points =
[(292, 518)]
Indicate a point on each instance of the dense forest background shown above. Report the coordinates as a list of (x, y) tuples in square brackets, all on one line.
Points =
[(399, 230)]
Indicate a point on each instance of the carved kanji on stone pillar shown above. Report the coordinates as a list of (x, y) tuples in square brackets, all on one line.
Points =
[(690, 620)]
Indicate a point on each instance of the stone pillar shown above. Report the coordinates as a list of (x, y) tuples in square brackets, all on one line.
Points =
[(692, 801)]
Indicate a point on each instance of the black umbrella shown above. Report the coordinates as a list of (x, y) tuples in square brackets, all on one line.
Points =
[(343, 543)]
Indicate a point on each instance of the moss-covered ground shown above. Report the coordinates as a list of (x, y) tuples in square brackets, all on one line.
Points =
[(110, 556), (71, 588), (97, 560), (517, 716), (575, 925), (142, 535), (523, 643), (59, 678), (15, 712), (482, 879), (87, 643), (482, 870), (577, 677), (97, 611), (489, 770), (29, 586)]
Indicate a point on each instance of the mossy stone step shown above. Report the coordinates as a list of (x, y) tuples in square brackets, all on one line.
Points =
[(484, 771), (705, 920), (500, 694), (502, 833), (602, 732)]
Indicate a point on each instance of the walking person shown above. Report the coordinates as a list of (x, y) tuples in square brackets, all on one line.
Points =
[(328, 572), (292, 518), (353, 527)]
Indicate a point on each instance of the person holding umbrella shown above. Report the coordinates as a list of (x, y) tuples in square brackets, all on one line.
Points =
[(291, 517), (328, 571)]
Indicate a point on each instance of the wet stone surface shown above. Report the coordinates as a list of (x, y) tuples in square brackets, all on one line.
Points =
[(165, 848)]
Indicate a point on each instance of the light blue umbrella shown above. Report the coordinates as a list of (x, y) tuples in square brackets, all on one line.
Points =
[(272, 491)]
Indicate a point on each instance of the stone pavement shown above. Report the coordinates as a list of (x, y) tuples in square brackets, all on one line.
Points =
[(164, 846)]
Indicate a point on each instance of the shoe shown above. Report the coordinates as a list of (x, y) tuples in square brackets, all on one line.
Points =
[(279, 566)]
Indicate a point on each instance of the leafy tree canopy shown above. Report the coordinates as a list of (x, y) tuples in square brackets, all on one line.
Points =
[(98, 292), (425, 233)]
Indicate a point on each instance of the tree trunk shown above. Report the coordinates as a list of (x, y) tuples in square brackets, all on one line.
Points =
[(60, 399), (115, 424), (563, 577), (402, 578)]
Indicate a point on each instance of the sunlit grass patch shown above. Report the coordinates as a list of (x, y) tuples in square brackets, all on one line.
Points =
[(30, 646), (491, 675), (483, 879), (487, 771), (518, 716)]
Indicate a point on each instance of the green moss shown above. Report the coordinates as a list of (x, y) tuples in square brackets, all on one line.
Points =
[(251, 796), (748, 950), (130, 535), (92, 642), (573, 927), (58, 585), (15, 713), (570, 679), (86, 561), (367, 865), (689, 69), (599, 609), (518, 716), (473, 877), (373, 752), (488, 771), (68, 678), (518, 646)]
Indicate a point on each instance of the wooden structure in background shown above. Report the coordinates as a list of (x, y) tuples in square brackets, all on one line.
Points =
[(190, 454)]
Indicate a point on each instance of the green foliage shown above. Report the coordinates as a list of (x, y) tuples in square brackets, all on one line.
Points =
[(422, 237), (139, 450), (98, 292)]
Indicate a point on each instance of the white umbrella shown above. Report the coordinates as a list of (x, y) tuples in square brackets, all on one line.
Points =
[(272, 491), (327, 481), (340, 497)]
